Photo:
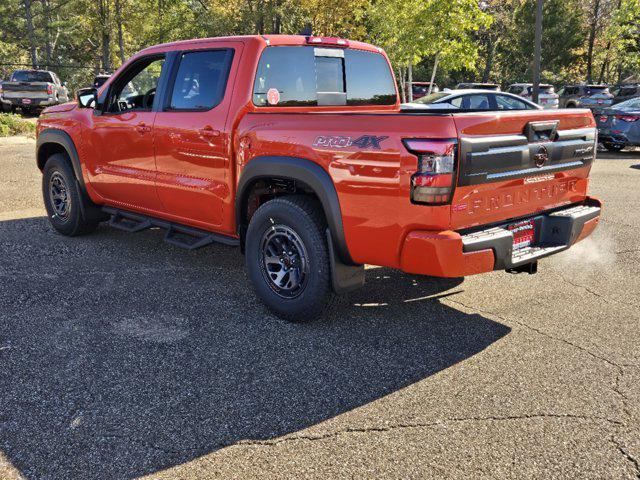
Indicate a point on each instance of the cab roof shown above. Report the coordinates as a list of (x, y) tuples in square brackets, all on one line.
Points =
[(270, 40)]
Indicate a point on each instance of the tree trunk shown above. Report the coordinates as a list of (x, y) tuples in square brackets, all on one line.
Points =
[(403, 97), (593, 27), (433, 72), (103, 10), (30, 33), (491, 48), (120, 35), (410, 82), (46, 6)]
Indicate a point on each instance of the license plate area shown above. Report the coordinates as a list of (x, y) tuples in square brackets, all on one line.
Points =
[(26, 101), (523, 233)]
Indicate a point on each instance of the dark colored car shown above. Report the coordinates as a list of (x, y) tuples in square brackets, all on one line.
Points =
[(622, 93), (619, 126), (100, 80), (478, 86), (420, 89), (595, 97)]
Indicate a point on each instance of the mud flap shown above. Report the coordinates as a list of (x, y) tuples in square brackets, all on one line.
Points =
[(344, 278)]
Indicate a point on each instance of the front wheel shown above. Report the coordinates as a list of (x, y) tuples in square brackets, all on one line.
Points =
[(288, 259), (63, 198)]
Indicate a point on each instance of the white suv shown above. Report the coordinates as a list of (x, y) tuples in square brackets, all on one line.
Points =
[(547, 97)]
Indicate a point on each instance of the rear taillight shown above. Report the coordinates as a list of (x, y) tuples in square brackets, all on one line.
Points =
[(50, 89), (628, 118), (433, 182)]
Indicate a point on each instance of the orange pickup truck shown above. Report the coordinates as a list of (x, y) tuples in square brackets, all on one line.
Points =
[(296, 149)]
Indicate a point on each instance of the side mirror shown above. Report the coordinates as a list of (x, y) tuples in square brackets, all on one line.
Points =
[(87, 97)]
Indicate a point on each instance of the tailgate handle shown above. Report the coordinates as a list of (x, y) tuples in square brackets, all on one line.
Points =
[(541, 131)]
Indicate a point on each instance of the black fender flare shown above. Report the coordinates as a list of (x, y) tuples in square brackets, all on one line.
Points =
[(302, 170), (63, 139)]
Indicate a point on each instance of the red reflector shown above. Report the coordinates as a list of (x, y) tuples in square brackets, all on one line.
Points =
[(443, 180), (49, 89)]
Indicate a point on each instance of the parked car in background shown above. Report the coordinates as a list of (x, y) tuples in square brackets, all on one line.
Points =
[(5, 105), (31, 90), (547, 98), (622, 93), (471, 100), (595, 97), (619, 126), (478, 86), (100, 80), (420, 89)]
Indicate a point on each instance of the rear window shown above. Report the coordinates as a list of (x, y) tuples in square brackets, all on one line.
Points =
[(26, 76), (544, 89), (592, 90), (316, 76)]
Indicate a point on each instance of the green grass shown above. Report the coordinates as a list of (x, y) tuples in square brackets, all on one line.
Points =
[(11, 124)]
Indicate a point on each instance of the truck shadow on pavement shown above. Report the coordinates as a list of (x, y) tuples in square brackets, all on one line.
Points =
[(122, 356)]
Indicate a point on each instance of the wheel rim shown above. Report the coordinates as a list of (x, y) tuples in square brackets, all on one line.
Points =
[(284, 261), (59, 196)]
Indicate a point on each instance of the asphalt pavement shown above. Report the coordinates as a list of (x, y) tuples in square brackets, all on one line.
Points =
[(124, 357)]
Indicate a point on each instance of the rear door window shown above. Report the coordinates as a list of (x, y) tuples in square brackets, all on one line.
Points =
[(201, 80), (505, 102), (316, 76)]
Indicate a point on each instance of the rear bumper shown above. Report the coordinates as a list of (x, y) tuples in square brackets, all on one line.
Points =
[(35, 102), (451, 254)]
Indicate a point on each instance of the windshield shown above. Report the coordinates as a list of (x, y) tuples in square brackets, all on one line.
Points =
[(431, 98), (594, 90), (633, 104), (29, 76)]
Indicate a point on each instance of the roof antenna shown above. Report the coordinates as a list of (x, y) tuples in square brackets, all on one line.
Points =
[(306, 31)]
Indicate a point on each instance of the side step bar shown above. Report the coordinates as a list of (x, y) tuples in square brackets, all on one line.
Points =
[(177, 235)]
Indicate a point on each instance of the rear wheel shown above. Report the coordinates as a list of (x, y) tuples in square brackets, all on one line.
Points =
[(287, 257), (613, 147), (63, 198)]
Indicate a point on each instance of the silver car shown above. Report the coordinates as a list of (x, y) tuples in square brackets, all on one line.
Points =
[(547, 98), (595, 97), (471, 99)]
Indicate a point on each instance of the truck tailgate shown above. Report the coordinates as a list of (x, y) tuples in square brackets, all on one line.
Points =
[(515, 164)]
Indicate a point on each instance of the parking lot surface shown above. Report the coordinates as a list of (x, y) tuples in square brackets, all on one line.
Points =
[(124, 357)]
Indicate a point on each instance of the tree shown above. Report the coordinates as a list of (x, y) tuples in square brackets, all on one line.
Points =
[(400, 27)]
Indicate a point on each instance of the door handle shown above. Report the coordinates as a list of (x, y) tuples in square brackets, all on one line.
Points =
[(208, 131), (142, 128)]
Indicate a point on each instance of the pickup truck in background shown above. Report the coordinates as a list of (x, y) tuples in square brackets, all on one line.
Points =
[(296, 150), (32, 90)]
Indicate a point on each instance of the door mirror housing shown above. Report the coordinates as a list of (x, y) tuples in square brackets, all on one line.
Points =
[(87, 97)]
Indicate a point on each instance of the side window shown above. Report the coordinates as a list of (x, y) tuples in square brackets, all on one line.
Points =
[(510, 103), (136, 88), (476, 102), (201, 80), (456, 102), (561, 92), (514, 89), (369, 79)]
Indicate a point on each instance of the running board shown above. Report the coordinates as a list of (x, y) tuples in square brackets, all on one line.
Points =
[(182, 236)]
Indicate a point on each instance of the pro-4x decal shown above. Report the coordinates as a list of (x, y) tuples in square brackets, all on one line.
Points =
[(339, 141)]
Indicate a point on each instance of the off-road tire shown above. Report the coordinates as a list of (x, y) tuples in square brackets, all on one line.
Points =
[(303, 216), (76, 220)]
